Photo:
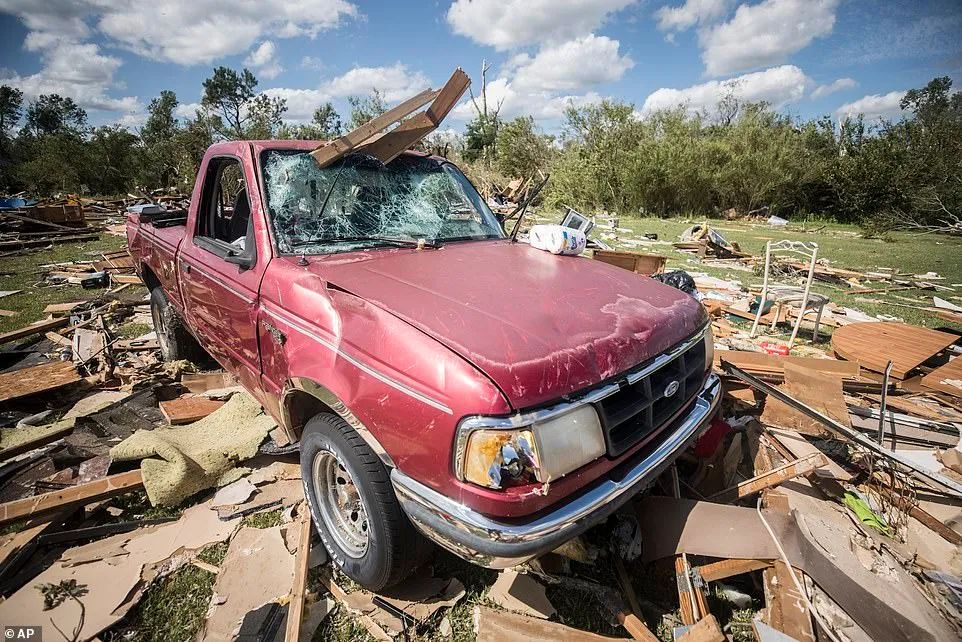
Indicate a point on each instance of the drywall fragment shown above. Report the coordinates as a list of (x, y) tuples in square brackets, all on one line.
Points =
[(197, 456), (236, 492), (419, 597), (116, 571), (522, 593), (257, 569)]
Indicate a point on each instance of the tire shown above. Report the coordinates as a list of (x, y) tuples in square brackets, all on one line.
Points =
[(376, 546), (176, 341)]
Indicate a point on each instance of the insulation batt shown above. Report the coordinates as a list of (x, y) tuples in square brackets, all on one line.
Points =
[(557, 239)]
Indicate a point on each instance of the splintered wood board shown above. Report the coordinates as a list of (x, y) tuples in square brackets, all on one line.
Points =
[(872, 345), (188, 409), (952, 370), (29, 381), (39, 326)]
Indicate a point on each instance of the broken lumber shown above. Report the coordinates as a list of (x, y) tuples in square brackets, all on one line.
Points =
[(724, 569), (295, 610), (931, 478), (705, 630), (940, 378), (71, 497), (774, 477), (37, 379), (907, 346), (498, 626), (330, 152), (34, 328), (188, 409), (30, 444)]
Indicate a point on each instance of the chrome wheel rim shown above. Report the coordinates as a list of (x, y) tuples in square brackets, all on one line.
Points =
[(340, 505), (160, 329)]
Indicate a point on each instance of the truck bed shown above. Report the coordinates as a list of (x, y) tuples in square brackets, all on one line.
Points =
[(155, 243)]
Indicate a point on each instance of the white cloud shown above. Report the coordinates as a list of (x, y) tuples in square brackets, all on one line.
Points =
[(765, 34), (691, 13), (187, 110), (79, 71), (508, 24), (572, 65), (182, 31), (312, 62), (826, 90), (778, 86), (874, 106), (264, 60), (395, 83), (516, 101)]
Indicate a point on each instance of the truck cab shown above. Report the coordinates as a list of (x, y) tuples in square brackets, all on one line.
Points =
[(444, 383)]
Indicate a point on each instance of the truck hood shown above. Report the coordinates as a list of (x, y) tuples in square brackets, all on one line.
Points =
[(540, 326)]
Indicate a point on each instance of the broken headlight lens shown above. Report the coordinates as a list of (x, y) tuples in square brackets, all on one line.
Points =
[(539, 452)]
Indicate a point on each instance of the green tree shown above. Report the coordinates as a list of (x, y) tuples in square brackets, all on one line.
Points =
[(326, 125), (11, 102), (522, 150), (52, 114), (366, 108), (114, 157), (227, 94), (159, 137)]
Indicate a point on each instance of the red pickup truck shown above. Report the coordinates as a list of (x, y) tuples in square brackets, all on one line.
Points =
[(438, 376)]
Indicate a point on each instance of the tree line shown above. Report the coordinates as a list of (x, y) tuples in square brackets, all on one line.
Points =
[(607, 156)]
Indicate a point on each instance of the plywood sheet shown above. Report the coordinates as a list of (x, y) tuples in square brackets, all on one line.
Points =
[(947, 378), (818, 390), (872, 345), (29, 381)]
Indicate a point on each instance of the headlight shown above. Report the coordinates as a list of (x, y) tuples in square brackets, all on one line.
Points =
[(498, 453), (709, 348)]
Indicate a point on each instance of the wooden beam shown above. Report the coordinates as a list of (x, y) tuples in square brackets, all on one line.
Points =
[(330, 152), (37, 379), (188, 409), (295, 610), (74, 496), (388, 146), (771, 478), (724, 569), (35, 328)]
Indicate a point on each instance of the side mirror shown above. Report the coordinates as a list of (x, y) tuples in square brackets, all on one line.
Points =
[(245, 261)]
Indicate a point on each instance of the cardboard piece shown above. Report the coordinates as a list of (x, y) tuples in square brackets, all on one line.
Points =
[(419, 597), (257, 570), (521, 593), (234, 493), (115, 571)]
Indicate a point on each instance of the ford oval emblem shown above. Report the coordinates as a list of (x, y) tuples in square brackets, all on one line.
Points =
[(671, 388)]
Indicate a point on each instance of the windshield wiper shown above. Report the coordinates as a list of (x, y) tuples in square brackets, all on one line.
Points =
[(390, 240)]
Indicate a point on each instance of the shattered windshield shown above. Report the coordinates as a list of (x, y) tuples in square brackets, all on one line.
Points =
[(348, 206)]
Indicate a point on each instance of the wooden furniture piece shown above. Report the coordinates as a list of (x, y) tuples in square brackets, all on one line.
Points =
[(872, 345), (791, 294), (646, 264)]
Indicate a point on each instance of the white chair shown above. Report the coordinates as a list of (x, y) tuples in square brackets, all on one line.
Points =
[(782, 295)]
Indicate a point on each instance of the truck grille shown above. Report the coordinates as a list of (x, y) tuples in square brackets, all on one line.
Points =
[(637, 410)]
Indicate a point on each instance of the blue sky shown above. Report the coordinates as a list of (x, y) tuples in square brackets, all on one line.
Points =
[(807, 57)]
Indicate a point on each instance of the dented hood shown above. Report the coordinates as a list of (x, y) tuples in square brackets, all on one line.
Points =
[(540, 326)]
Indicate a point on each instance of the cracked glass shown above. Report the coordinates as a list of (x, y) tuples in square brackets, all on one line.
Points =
[(360, 203)]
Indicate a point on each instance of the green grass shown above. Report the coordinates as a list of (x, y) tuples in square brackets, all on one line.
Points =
[(843, 246), (22, 273)]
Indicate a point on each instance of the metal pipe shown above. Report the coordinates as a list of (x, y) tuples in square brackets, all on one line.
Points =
[(881, 419)]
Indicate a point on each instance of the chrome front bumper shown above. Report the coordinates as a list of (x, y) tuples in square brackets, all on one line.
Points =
[(505, 543)]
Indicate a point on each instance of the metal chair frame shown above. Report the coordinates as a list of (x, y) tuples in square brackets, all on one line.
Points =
[(785, 294)]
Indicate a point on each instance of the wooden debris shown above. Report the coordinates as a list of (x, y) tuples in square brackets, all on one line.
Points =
[(774, 477), (815, 389), (872, 345), (499, 626), (201, 382), (632, 261), (762, 363), (705, 630), (37, 379), (35, 328), (295, 609), (73, 496), (724, 569), (188, 409), (940, 378)]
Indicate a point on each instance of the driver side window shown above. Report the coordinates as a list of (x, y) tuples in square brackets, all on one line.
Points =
[(225, 213)]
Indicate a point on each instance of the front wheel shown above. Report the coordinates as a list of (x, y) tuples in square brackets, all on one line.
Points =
[(354, 508)]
